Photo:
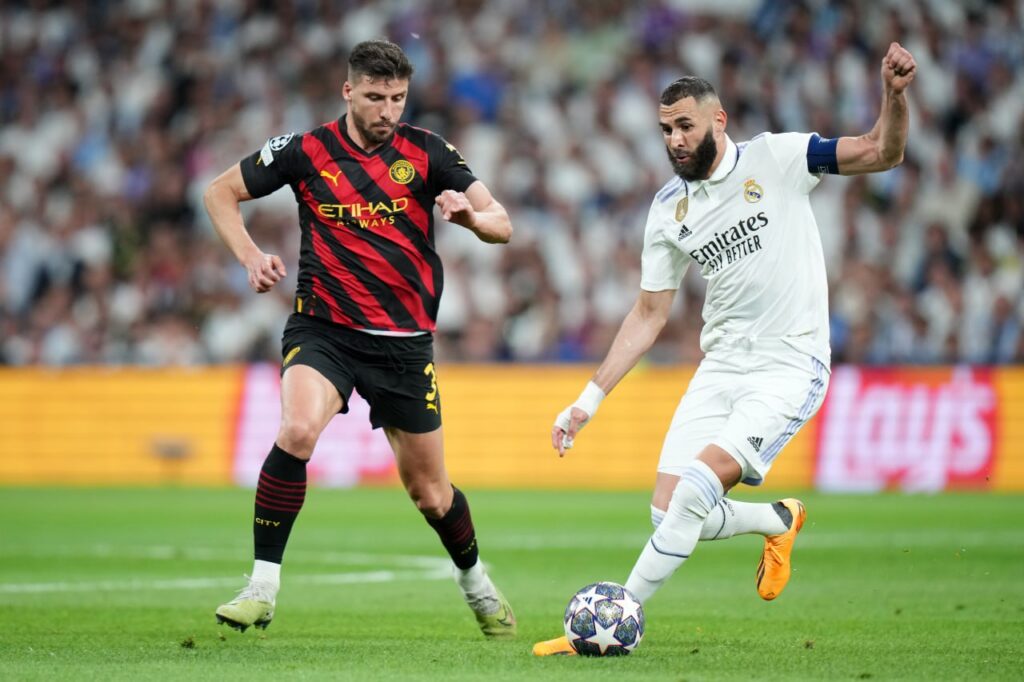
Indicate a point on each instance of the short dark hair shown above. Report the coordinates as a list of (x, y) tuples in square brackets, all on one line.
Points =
[(378, 59), (687, 86)]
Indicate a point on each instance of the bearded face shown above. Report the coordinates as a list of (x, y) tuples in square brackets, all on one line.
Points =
[(694, 164), (375, 107), (374, 132)]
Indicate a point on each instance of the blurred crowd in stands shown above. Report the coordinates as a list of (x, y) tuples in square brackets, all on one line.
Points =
[(114, 117)]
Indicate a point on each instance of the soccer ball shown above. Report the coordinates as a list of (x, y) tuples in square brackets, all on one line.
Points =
[(604, 619)]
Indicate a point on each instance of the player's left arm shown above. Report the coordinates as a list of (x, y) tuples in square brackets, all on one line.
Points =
[(882, 148), (477, 210)]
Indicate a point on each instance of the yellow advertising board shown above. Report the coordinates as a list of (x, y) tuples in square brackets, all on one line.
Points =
[(916, 429), (1008, 472), (498, 419), (103, 426)]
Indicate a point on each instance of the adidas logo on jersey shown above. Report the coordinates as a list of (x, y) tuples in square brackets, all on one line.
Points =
[(684, 232), (756, 442)]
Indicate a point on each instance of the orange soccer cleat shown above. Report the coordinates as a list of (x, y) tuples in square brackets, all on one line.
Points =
[(774, 569), (559, 646)]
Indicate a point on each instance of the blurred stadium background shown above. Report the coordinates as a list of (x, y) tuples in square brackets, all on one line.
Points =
[(133, 350), (137, 367)]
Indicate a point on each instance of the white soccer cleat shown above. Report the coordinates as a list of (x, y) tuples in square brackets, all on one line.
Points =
[(254, 605)]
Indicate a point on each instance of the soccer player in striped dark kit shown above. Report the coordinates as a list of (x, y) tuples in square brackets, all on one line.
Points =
[(741, 213), (369, 283)]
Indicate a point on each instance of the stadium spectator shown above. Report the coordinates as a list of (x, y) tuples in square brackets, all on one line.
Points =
[(115, 116)]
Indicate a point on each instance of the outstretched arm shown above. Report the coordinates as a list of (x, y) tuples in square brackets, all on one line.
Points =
[(882, 148), (222, 198), (478, 211), (635, 337)]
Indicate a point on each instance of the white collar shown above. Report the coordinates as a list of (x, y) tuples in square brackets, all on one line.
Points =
[(729, 160)]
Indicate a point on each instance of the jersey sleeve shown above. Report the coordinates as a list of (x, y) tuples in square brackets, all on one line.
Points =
[(448, 170), (803, 158), (278, 163), (662, 263)]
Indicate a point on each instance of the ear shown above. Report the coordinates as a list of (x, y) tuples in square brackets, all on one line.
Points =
[(720, 121), (346, 91)]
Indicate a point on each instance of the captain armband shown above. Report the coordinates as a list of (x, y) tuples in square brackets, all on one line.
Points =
[(821, 155)]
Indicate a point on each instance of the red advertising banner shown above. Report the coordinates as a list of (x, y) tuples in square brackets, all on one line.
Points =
[(908, 429)]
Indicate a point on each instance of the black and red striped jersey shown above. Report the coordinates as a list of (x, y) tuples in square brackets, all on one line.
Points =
[(367, 258)]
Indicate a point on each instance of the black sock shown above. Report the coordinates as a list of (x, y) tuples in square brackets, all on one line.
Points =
[(784, 513), (457, 533), (279, 496)]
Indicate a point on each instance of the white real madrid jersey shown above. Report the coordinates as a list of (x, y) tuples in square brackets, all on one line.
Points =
[(750, 230)]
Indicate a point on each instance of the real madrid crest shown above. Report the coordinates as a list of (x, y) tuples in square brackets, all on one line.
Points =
[(402, 172), (752, 191), (681, 208)]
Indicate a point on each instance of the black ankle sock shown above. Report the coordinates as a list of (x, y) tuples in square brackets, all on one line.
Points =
[(279, 496), (784, 513), (457, 533)]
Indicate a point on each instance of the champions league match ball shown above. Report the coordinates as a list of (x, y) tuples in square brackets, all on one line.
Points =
[(604, 619)]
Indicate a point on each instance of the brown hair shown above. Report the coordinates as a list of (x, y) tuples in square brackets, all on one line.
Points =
[(378, 59)]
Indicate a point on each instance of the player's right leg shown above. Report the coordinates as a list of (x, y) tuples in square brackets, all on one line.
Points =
[(308, 402), (420, 458), (405, 401)]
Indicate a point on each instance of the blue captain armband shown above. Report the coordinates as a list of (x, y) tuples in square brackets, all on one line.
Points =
[(821, 155)]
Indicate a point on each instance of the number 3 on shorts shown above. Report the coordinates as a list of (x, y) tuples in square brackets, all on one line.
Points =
[(431, 395)]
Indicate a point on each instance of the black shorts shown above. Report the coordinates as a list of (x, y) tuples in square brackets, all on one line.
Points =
[(395, 374)]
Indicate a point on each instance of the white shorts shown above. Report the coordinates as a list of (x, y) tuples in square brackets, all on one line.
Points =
[(749, 404)]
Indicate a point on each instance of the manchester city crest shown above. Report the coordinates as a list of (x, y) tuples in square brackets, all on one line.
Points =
[(402, 172), (752, 191)]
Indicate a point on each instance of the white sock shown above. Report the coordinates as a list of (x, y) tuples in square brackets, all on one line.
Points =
[(657, 516), (696, 494), (266, 572), (474, 580), (730, 518)]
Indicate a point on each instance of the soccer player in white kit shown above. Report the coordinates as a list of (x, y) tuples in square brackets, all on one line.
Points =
[(741, 213)]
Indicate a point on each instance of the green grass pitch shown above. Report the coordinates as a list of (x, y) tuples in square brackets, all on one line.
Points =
[(121, 584)]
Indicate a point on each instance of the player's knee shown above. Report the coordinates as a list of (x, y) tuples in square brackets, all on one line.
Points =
[(430, 500), (298, 436), (686, 502), (431, 506), (697, 492)]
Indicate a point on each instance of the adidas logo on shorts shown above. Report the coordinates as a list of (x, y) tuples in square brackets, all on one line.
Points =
[(756, 442)]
